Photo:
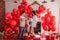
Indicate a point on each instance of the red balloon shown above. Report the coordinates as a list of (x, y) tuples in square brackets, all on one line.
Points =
[(30, 38), (18, 22), (43, 19), (47, 18), (15, 16), (5, 27), (47, 23), (8, 29), (43, 24), (12, 39), (29, 11), (12, 27), (13, 23), (48, 37), (30, 15), (8, 34), (31, 35), (26, 11), (26, 38), (49, 13), (43, 35), (5, 37), (46, 15), (7, 21), (46, 28), (18, 11), (16, 29), (52, 22), (42, 8), (23, 1), (26, 25), (8, 15), (20, 8), (48, 9), (16, 37), (38, 14), (15, 13), (14, 10), (24, 7), (37, 39), (53, 28), (29, 8), (52, 18), (26, 4)]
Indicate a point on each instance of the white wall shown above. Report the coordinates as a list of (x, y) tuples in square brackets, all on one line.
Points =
[(59, 15), (54, 6), (9, 4)]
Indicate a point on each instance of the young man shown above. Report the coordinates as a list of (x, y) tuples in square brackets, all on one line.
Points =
[(22, 25)]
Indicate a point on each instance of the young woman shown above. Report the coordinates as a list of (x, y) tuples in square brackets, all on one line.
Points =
[(33, 22)]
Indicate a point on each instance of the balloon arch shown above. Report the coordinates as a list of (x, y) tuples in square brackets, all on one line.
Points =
[(11, 28)]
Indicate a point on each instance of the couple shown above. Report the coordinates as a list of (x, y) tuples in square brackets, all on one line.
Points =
[(31, 22)]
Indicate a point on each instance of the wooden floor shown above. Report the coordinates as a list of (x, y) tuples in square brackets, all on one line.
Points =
[(1, 37)]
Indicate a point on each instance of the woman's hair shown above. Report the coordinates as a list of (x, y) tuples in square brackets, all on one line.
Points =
[(34, 12)]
